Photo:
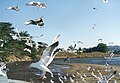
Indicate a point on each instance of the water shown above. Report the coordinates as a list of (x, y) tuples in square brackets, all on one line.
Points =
[(102, 61)]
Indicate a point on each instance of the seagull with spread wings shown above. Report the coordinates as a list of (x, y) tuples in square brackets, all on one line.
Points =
[(37, 4), (104, 79), (47, 57), (105, 1), (16, 8), (38, 22)]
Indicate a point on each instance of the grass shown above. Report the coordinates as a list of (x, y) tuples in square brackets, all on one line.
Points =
[(83, 55), (82, 69)]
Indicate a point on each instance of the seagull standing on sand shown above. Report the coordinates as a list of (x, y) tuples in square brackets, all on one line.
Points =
[(16, 8), (47, 57), (37, 4)]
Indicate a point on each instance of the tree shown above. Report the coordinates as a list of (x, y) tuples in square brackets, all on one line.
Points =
[(10, 46), (102, 47)]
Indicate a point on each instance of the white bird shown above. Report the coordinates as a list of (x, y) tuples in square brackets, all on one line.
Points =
[(95, 8), (100, 40), (28, 50), (55, 38), (71, 80), (42, 44), (105, 1), (73, 75), (111, 54), (37, 4), (38, 22), (51, 81), (3, 73), (104, 79), (88, 68), (46, 58), (84, 75), (16, 8), (2, 69), (61, 81), (83, 79), (115, 81)]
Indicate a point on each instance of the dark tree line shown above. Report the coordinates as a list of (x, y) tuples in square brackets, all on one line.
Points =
[(10, 46), (101, 47)]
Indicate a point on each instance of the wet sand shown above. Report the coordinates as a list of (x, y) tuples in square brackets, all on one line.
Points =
[(21, 71)]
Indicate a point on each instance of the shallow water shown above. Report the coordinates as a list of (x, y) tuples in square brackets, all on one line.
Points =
[(102, 61)]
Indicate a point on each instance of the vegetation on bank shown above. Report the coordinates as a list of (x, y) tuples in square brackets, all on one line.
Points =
[(13, 47)]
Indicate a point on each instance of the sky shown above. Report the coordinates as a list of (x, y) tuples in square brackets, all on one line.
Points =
[(72, 19)]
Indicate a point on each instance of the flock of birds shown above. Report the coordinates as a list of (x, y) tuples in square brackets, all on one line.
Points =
[(48, 56), (38, 21), (49, 53)]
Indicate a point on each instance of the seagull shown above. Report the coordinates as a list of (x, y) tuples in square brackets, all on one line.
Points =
[(55, 38), (28, 50), (3, 70), (94, 26), (61, 81), (42, 44), (104, 79), (47, 57), (80, 42), (100, 40), (95, 8), (16, 8), (111, 43), (27, 38), (111, 54), (51, 81), (88, 68), (38, 22), (37, 4), (71, 80), (105, 1)]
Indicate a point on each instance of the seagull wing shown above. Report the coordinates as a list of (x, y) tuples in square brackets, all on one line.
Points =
[(101, 76), (97, 77), (46, 55), (55, 38), (9, 8), (111, 75), (46, 69), (52, 57)]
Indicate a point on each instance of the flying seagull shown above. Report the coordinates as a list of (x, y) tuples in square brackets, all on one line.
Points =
[(100, 40), (38, 22), (37, 4), (111, 54), (46, 58), (95, 8), (105, 1), (94, 26), (16, 8)]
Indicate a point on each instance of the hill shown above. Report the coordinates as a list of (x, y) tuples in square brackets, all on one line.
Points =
[(114, 48)]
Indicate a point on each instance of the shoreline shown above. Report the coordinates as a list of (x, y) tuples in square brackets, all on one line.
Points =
[(21, 71)]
